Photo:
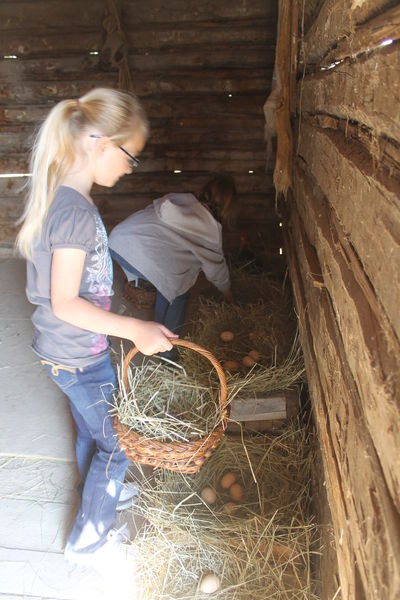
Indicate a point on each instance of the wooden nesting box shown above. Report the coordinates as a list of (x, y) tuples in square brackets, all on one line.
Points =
[(204, 71)]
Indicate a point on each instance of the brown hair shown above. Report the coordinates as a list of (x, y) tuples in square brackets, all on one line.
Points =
[(220, 197)]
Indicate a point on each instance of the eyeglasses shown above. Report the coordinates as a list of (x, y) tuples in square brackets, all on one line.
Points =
[(135, 162)]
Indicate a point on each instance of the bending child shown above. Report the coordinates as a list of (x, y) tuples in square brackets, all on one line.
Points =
[(95, 139), (170, 241)]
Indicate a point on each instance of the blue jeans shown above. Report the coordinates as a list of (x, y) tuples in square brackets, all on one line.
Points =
[(170, 314), (101, 463)]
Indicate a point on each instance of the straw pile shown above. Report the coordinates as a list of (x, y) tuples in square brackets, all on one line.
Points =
[(263, 326), (172, 403), (261, 550), (161, 402)]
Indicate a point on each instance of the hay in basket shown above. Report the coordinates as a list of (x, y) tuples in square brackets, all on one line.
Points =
[(164, 418)]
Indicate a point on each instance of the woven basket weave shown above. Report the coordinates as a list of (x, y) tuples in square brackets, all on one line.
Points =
[(184, 457)]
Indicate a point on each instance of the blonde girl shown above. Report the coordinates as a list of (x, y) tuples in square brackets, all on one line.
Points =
[(95, 139)]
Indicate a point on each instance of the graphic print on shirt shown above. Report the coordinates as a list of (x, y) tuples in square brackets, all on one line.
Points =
[(100, 277)]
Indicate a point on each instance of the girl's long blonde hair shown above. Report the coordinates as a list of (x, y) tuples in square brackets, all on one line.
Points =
[(112, 113)]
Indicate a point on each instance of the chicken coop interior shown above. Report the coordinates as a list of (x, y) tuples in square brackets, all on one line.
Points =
[(297, 100)]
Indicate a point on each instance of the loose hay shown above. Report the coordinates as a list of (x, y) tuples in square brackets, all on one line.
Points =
[(262, 551)]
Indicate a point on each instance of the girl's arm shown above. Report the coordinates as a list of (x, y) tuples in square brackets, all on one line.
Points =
[(66, 273)]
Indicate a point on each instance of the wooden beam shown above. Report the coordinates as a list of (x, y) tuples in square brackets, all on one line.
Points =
[(181, 81), (336, 19), (191, 11), (371, 347), (368, 36), (157, 64), (323, 418), (358, 91), (366, 204), (159, 110), (360, 502), (74, 40)]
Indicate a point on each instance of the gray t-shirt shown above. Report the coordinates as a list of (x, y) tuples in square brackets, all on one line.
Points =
[(72, 222), (170, 242)]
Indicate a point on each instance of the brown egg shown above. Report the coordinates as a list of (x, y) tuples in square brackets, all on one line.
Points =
[(227, 480), (226, 336), (236, 491), (208, 495), (254, 355), (248, 361), (230, 507), (231, 365)]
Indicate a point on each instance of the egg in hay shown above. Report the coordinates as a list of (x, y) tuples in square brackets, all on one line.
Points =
[(236, 491), (208, 495), (227, 480), (226, 336), (210, 583), (231, 365), (254, 355), (248, 361)]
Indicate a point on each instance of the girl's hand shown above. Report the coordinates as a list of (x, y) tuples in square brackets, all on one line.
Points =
[(150, 337)]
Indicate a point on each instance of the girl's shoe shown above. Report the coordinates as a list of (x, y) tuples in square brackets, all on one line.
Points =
[(113, 549), (129, 495)]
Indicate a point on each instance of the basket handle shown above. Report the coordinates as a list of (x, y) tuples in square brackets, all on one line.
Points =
[(207, 354)]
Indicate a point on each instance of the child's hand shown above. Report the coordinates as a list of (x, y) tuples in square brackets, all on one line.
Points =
[(150, 337)]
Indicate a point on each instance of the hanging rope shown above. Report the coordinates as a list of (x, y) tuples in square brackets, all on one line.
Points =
[(114, 52)]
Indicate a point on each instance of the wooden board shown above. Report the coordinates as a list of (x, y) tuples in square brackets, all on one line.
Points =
[(336, 19), (372, 350), (359, 498), (358, 91), (374, 207)]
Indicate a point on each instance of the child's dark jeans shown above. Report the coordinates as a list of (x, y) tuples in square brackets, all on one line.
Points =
[(102, 465)]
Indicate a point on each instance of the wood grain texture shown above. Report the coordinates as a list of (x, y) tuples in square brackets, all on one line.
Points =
[(337, 19), (366, 91), (368, 208), (358, 494)]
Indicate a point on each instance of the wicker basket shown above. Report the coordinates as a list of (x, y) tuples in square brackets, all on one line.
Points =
[(184, 457)]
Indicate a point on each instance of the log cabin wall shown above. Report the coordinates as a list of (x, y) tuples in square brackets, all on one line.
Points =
[(201, 69), (343, 241)]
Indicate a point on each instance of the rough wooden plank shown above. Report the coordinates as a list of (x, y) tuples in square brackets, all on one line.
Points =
[(43, 14), (156, 183), (152, 11), (364, 204), (46, 575), (48, 524), (262, 407), (336, 19), (157, 109), (372, 349), (323, 421), (201, 159), (34, 480), (358, 91), (72, 85), (49, 41), (363, 493), (160, 61), (368, 36), (49, 14)]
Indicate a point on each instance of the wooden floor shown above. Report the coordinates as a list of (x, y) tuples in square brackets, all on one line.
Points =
[(37, 467)]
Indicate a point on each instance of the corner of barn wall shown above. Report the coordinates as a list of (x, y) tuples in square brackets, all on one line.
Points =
[(342, 240)]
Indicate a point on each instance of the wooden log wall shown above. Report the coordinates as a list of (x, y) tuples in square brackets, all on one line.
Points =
[(343, 241), (202, 70)]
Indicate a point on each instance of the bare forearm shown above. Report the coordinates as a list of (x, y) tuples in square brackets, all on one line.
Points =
[(84, 314), (149, 337)]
